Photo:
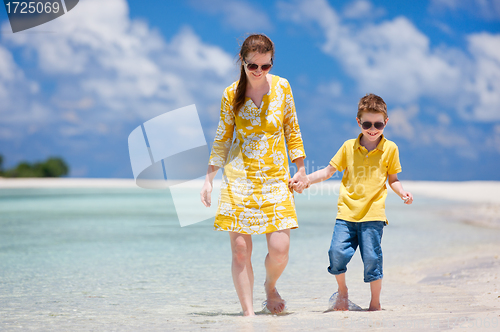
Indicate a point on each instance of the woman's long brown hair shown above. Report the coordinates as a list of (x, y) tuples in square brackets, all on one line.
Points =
[(254, 43)]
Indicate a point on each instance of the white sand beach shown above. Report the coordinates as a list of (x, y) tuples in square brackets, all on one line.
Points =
[(455, 289), (480, 200)]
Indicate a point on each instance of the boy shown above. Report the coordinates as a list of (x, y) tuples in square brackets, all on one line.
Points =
[(368, 162)]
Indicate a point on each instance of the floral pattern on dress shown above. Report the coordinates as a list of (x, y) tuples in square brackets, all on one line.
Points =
[(238, 164), (251, 112), (221, 131), (226, 209), (287, 223), (255, 146), (295, 153), (278, 158), (275, 191), (254, 219), (242, 187), (251, 146)]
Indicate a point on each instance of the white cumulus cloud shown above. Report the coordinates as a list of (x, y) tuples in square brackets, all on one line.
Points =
[(395, 59), (484, 85), (237, 14), (486, 9), (122, 68), (362, 9)]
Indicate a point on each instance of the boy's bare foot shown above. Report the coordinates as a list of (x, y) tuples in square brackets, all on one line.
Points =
[(376, 287), (342, 302), (374, 307), (274, 302)]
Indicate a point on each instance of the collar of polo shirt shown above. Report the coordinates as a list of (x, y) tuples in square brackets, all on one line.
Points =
[(380, 145)]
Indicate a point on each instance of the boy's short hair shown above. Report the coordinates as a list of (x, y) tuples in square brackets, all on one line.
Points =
[(373, 104)]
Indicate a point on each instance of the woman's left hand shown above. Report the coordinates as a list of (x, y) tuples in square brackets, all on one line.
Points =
[(299, 182)]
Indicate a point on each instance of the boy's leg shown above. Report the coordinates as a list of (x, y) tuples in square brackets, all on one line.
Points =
[(370, 238), (376, 288), (342, 248), (342, 302)]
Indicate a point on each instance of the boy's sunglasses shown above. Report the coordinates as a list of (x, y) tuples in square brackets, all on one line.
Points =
[(367, 125), (254, 67)]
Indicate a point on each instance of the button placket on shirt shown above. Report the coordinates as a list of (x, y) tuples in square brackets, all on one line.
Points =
[(365, 161)]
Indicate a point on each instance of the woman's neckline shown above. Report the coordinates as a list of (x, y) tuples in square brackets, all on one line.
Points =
[(266, 94)]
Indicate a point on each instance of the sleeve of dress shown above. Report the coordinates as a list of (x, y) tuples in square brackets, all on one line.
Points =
[(224, 135), (291, 126)]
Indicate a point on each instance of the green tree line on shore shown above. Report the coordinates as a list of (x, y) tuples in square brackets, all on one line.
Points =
[(53, 167)]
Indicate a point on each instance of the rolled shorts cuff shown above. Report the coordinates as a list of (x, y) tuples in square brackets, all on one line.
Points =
[(374, 278), (335, 272)]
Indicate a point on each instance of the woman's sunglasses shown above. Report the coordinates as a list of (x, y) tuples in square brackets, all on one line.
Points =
[(254, 67), (367, 125)]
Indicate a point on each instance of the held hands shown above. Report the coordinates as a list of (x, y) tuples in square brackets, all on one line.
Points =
[(407, 197), (299, 182)]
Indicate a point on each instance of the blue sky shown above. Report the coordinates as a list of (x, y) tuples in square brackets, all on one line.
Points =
[(77, 86)]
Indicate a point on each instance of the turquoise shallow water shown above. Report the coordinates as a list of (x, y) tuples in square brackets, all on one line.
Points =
[(117, 259)]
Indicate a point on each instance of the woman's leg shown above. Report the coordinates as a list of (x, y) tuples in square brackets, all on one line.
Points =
[(241, 268), (278, 244)]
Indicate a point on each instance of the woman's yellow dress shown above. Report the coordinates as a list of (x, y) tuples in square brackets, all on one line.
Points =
[(250, 146)]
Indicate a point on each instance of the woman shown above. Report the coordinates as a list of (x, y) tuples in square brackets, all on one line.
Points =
[(257, 117)]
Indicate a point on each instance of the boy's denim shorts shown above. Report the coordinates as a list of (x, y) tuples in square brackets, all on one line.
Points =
[(346, 238)]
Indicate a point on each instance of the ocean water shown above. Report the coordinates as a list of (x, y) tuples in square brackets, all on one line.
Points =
[(117, 260)]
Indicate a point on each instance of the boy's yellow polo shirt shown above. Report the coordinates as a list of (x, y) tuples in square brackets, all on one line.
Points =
[(363, 190)]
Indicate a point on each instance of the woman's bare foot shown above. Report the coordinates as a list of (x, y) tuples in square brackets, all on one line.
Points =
[(274, 302), (248, 313), (342, 302)]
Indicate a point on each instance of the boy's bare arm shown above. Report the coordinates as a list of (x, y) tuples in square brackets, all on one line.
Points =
[(315, 177), (397, 187), (322, 174)]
